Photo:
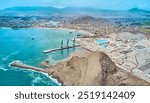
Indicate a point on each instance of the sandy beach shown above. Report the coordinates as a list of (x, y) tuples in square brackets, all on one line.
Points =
[(82, 32)]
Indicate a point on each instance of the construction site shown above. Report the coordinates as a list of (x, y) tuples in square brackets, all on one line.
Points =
[(129, 51)]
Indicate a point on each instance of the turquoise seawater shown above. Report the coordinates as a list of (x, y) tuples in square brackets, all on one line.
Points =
[(27, 45)]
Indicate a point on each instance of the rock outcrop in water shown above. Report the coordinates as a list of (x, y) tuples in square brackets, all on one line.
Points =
[(94, 70)]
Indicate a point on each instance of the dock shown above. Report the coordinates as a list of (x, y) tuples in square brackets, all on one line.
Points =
[(28, 67), (62, 48)]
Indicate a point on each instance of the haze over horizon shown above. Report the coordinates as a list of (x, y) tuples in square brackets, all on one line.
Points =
[(101, 4)]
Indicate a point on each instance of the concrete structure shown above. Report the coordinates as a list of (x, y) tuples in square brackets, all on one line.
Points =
[(132, 55)]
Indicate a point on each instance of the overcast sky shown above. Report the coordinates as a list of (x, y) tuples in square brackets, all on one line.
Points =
[(103, 4)]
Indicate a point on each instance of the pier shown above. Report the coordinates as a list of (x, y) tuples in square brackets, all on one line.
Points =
[(62, 47), (57, 49), (28, 67)]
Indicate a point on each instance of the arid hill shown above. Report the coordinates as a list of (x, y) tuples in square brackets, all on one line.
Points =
[(94, 70)]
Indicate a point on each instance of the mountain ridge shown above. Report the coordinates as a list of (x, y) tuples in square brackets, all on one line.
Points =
[(68, 7), (138, 10), (44, 10)]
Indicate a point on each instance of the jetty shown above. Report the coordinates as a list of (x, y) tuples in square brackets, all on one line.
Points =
[(28, 67), (57, 49), (62, 47)]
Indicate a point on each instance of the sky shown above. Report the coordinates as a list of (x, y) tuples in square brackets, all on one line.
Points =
[(103, 4)]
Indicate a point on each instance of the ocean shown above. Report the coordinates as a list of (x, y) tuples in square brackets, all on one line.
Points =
[(27, 45)]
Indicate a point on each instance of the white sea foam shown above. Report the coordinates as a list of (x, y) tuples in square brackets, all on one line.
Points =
[(53, 79), (1, 68), (16, 61), (7, 57), (40, 79), (36, 80)]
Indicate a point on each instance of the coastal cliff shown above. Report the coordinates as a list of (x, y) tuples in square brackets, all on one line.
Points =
[(93, 70)]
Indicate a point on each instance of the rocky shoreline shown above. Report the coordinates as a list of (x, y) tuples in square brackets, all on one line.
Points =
[(96, 69), (93, 69)]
